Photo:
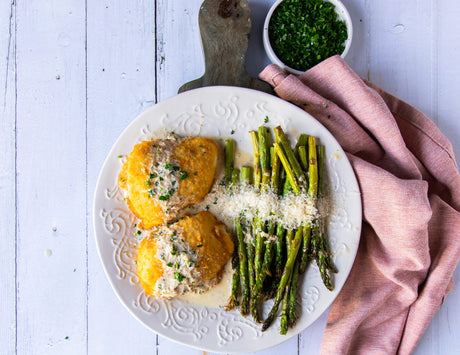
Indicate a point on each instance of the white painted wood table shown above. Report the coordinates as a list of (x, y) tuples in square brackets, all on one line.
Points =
[(75, 73)]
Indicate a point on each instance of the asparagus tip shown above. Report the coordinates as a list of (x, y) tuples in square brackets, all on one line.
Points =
[(232, 303)]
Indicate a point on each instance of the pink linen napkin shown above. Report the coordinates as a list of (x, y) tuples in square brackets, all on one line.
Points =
[(410, 186)]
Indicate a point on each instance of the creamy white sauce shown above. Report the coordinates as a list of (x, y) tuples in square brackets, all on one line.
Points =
[(180, 276), (164, 178), (218, 295), (337, 155)]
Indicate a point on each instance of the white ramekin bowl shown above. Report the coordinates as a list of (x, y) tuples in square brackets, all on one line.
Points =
[(343, 15)]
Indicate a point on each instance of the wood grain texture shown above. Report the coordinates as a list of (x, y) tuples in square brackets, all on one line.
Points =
[(179, 52), (8, 177), (74, 74), (225, 26), (441, 337), (407, 74), (120, 85), (51, 183), (446, 42)]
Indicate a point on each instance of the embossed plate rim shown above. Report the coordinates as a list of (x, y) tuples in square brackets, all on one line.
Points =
[(216, 111)]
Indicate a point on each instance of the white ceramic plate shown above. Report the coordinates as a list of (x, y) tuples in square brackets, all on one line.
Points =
[(218, 111)]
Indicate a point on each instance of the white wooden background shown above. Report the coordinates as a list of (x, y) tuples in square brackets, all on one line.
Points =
[(74, 73)]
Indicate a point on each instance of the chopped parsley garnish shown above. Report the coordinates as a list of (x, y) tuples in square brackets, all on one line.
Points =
[(303, 33), (167, 165), (139, 232), (183, 175), (174, 251), (179, 277), (232, 131), (266, 119), (195, 173), (170, 264), (167, 196), (199, 245), (120, 156)]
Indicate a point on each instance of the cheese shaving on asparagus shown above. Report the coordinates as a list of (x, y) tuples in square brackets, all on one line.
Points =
[(291, 210)]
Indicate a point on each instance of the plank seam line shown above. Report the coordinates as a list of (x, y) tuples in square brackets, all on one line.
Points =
[(434, 60), (86, 175), (298, 343), (16, 219), (10, 34), (155, 21)]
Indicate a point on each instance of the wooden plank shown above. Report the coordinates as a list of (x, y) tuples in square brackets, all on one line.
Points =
[(310, 339), (256, 58), (447, 40), (224, 29), (442, 335), (51, 181), (121, 84), (358, 55), (400, 51), (8, 177), (169, 347), (179, 51), (288, 347)]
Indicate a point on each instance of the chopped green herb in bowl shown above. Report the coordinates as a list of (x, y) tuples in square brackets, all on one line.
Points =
[(298, 34)]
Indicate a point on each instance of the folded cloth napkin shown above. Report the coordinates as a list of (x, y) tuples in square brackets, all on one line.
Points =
[(410, 186)]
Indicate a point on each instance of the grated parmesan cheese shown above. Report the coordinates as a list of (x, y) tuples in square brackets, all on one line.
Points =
[(297, 210), (248, 202)]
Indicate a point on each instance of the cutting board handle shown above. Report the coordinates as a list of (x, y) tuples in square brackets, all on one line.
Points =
[(225, 26)]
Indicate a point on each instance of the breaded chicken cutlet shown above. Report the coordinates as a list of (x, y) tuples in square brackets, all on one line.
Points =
[(163, 176)]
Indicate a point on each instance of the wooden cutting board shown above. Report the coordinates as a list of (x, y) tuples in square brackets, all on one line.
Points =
[(225, 26)]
